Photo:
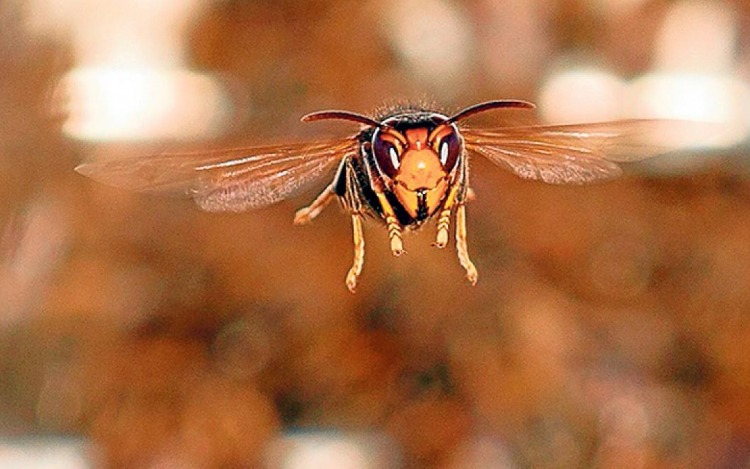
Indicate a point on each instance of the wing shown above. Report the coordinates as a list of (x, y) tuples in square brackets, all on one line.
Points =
[(571, 154), (225, 180)]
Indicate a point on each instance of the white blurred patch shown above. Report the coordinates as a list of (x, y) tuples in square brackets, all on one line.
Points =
[(433, 37), (324, 450), (44, 453), (694, 78), (130, 81), (105, 104), (720, 101), (582, 95)]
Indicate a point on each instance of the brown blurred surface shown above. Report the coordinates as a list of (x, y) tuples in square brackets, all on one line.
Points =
[(610, 326)]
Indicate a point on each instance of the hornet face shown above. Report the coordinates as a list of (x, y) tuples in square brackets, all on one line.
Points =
[(417, 159)]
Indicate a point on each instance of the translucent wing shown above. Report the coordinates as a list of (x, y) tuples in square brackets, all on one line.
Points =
[(571, 154), (225, 180)]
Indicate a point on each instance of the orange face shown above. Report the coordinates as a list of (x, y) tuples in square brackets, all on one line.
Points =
[(419, 163)]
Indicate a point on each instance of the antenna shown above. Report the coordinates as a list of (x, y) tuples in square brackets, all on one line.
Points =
[(340, 115), (489, 105)]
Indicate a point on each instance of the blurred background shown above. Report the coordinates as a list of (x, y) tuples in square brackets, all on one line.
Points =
[(611, 323)]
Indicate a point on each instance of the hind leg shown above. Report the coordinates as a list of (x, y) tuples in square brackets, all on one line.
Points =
[(461, 246), (359, 253)]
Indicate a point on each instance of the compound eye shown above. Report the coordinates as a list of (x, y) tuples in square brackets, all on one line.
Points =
[(448, 147), (387, 155)]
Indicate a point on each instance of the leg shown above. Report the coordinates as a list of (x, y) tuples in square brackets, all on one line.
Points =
[(306, 214), (455, 196), (359, 253), (463, 251), (394, 227), (442, 228), (394, 233), (444, 220)]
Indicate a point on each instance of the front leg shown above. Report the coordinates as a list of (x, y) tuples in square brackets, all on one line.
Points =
[(444, 220), (307, 214), (393, 226), (359, 253), (461, 248)]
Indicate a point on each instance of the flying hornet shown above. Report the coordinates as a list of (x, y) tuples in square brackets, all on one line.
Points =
[(404, 168)]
